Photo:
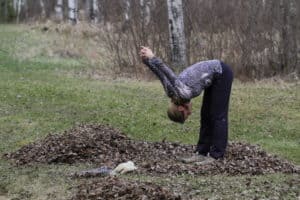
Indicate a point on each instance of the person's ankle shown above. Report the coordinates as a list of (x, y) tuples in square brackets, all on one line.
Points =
[(215, 157), (203, 153)]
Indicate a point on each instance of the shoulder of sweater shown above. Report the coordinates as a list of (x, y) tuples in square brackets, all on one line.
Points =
[(211, 61)]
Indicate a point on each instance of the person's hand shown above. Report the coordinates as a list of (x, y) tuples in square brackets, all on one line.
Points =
[(146, 53)]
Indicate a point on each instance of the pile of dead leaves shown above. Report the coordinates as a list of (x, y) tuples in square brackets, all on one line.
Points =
[(114, 188), (97, 144), (106, 146)]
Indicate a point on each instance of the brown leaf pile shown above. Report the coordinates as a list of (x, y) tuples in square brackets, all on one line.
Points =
[(119, 189), (94, 143), (107, 146)]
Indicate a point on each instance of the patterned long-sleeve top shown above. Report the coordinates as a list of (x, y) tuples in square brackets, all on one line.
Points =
[(189, 83)]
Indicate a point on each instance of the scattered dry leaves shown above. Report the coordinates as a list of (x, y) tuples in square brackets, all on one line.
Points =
[(107, 146)]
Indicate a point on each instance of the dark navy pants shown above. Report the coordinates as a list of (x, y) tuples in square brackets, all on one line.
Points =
[(213, 135)]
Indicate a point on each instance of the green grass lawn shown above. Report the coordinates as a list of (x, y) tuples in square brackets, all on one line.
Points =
[(41, 95)]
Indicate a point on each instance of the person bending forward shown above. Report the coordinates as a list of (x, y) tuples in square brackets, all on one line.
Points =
[(212, 76)]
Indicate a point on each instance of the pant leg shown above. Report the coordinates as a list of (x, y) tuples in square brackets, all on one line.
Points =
[(205, 135), (220, 94)]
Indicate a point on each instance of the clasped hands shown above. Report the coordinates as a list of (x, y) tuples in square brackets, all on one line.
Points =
[(146, 53)]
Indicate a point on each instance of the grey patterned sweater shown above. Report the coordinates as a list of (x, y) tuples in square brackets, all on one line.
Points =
[(189, 83)]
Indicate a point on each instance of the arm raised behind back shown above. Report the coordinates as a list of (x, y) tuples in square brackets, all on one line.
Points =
[(174, 88), (165, 81)]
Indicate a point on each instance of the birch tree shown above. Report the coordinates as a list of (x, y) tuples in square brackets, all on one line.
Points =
[(96, 11), (19, 6), (59, 10), (42, 4), (15, 4), (176, 33), (93, 13), (126, 10), (73, 11), (145, 11)]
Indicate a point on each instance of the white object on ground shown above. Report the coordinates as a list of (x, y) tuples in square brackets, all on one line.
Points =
[(124, 168)]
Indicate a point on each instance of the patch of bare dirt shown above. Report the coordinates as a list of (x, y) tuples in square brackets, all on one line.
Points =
[(119, 189), (106, 146)]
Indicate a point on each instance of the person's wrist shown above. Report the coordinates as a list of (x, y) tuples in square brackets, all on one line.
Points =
[(150, 57)]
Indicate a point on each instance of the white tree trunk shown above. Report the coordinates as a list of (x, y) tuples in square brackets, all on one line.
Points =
[(264, 3), (176, 33), (126, 10), (145, 10), (15, 5), (92, 9), (73, 11), (96, 11), (42, 4), (19, 6), (59, 10)]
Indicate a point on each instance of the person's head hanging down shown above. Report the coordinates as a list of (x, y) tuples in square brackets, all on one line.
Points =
[(179, 112)]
